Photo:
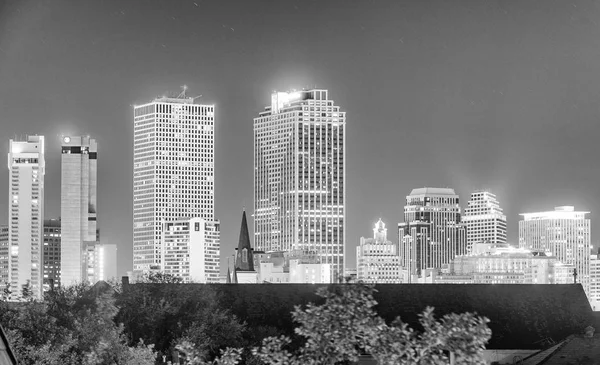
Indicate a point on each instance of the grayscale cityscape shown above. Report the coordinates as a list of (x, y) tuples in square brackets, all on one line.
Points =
[(418, 180)]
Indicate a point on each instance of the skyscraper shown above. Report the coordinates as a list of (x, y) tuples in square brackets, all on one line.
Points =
[(377, 259), (484, 219), (52, 241), (78, 205), (26, 214), (565, 233), (299, 176), (173, 171), (431, 234)]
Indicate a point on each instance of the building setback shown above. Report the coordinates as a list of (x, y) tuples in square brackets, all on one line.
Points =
[(377, 259), (26, 214), (52, 253), (484, 219), (78, 206), (565, 233), (299, 176), (431, 234), (173, 171)]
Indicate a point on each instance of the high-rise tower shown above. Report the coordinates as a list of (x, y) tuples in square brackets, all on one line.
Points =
[(78, 206), (484, 219), (299, 176), (564, 232), (26, 214), (173, 171), (431, 234)]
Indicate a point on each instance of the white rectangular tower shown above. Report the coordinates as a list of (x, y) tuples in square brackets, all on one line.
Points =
[(191, 250), (299, 176), (173, 171), (26, 214), (78, 206), (484, 219)]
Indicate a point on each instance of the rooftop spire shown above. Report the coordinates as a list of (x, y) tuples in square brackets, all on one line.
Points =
[(244, 256)]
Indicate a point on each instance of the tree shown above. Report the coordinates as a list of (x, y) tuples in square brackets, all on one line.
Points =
[(168, 315), (346, 325), (27, 292), (6, 291), (72, 326)]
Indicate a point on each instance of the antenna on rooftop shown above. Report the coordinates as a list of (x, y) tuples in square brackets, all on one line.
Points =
[(182, 94)]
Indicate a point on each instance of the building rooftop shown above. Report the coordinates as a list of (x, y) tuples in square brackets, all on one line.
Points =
[(563, 212), (432, 191)]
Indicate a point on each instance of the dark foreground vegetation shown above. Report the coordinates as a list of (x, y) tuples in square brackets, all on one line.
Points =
[(108, 325)]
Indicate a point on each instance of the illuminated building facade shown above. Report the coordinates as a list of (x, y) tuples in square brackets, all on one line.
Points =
[(52, 252), (105, 264), (503, 264), (27, 166), (78, 206), (594, 294), (484, 219), (565, 233), (173, 171), (377, 259), (4, 256), (432, 233), (299, 176), (190, 250)]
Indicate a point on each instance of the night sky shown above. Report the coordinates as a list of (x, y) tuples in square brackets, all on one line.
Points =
[(476, 94)]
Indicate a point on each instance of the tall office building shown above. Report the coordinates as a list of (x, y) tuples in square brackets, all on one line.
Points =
[(4, 257), (565, 233), (52, 243), (191, 250), (26, 214), (432, 233), (78, 205), (173, 171), (299, 176), (594, 295), (484, 219)]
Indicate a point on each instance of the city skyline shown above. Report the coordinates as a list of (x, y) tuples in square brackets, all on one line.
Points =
[(521, 107)]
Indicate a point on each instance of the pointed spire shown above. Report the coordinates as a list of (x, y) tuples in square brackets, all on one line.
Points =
[(234, 279), (244, 257), (228, 279)]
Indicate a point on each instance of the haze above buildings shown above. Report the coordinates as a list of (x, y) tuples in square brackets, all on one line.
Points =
[(471, 95)]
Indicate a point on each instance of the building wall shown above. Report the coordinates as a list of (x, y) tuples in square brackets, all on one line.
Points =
[(52, 253), (105, 265), (299, 176), (565, 233), (594, 294), (26, 214), (78, 206), (484, 219), (4, 256), (191, 250), (173, 171)]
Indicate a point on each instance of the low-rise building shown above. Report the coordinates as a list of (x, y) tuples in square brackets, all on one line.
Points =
[(502, 264)]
